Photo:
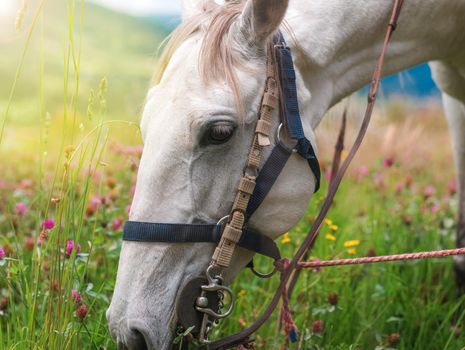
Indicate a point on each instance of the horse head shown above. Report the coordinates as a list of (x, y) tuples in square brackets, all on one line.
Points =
[(197, 126)]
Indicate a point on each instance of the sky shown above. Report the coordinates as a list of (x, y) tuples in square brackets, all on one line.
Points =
[(134, 7), (142, 7), (6, 7)]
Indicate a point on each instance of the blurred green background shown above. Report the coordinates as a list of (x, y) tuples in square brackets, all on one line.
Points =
[(73, 79)]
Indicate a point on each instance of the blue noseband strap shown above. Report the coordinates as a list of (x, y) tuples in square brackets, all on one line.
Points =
[(190, 233)]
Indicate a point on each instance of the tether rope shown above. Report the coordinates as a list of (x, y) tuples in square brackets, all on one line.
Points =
[(383, 258)]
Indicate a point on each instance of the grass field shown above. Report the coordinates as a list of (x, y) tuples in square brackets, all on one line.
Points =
[(70, 150)]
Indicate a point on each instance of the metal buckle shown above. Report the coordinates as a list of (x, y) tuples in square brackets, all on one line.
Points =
[(281, 45), (253, 172)]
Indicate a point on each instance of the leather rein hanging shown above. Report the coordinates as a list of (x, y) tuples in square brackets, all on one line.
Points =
[(202, 298)]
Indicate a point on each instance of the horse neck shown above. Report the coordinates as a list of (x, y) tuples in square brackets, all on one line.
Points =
[(339, 41)]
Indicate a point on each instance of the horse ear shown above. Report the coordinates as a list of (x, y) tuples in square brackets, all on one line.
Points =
[(192, 8), (260, 18)]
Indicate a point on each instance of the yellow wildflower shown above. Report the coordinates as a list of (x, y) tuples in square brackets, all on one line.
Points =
[(328, 222), (352, 251), (333, 227), (241, 293), (351, 243), (330, 237), (69, 149), (286, 238)]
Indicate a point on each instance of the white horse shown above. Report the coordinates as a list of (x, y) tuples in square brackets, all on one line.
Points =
[(199, 119)]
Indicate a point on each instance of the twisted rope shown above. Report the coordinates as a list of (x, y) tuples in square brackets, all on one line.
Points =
[(382, 258), (286, 321)]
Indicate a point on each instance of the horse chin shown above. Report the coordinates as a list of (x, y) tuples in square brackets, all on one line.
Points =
[(142, 336)]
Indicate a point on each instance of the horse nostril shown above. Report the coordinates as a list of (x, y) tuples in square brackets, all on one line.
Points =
[(137, 340)]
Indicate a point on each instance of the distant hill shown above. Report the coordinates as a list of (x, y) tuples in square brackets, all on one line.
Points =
[(168, 22), (114, 45)]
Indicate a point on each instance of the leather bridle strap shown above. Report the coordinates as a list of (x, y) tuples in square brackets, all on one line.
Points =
[(290, 115), (190, 233), (233, 230), (244, 336), (252, 190)]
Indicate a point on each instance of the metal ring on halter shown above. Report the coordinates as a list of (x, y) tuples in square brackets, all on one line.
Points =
[(222, 220), (278, 132), (263, 275), (278, 138)]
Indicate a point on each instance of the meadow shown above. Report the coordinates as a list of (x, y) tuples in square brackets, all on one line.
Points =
[(73, 79)]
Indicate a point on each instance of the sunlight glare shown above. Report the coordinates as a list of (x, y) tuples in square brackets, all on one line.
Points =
[(6, 7)]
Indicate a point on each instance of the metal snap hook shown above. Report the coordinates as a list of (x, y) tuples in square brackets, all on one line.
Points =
[(220, 289), (213, 280), (211, 317)]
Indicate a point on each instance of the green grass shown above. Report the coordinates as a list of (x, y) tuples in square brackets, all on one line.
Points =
[(69, 153), (417, 299), (112, 45)]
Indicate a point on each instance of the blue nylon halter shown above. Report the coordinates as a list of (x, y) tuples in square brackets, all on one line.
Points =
[(267, 176)]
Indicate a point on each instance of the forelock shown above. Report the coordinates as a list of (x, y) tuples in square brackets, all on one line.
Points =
[(223, 49)]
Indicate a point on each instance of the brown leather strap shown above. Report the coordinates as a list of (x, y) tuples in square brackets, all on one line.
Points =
[(244, 336), (233, 230)]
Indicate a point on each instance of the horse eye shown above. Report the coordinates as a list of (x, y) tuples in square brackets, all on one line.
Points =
[(219, 133)]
